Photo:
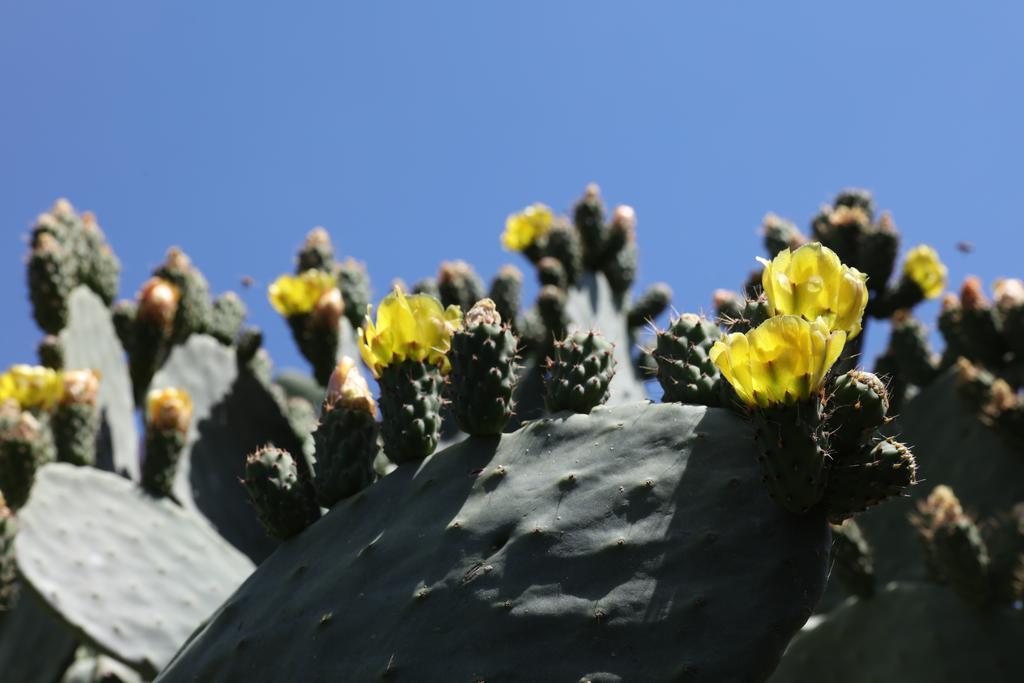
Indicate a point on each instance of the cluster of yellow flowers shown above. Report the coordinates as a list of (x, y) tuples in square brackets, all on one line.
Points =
[(32, 386), (415, 327), (526, 227), (817, 303), (297, 294)]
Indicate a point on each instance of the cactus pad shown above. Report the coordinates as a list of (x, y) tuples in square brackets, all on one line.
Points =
[(134, 574), (634, 543), (90, 342)]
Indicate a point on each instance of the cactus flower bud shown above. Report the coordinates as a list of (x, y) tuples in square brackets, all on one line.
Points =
[(1008, 292), (624, 217), (812, 282), (782, 361), (168, 409), (348, 388), (924, 268), (328, 310), (414, 327), (484, 312), (81, 387), (972, 294), (526, 227), (158, 302), (298, 294)]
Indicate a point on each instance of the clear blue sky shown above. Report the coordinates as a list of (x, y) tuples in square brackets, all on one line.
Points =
[(410, 129)]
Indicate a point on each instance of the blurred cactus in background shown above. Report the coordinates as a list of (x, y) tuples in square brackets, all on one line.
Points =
[(511, 469)]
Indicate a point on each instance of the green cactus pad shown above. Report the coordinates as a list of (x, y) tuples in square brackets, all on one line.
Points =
[(951, 447), (233, 415), (133, 574), (35, 645), (284, 502), (911, 633), (90, 342), (634, 544)]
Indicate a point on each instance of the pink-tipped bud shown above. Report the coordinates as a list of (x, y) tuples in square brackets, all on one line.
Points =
[(1009, 292), (158, 302), (725, 297), (318, 237), (177, 260), (950, 302), (592, 193), (508, 271), (347, 388), (62, 209), (81, 387), (972, 294), (169, 409), (848, 216), (624, 217), (484, 312), (450, 271), (328, 310)]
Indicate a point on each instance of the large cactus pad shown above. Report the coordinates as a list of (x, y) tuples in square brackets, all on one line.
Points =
[(636, 543), (133, 574)]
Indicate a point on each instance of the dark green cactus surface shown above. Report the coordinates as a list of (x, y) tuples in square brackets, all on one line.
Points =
[(35, 644), (483, 376), (632, 544), (233, 414), (346, 445), (910, 633), (132, 574), (91, 343), (410, 403), (580, 371), (283, 498), (951, 446), (684, 370)]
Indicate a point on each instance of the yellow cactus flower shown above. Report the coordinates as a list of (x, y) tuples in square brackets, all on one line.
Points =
[(169, 409), (524, 228), (782, 361), (297, 294), (31, 386), (414, 327), (812, 282), (925, 269)]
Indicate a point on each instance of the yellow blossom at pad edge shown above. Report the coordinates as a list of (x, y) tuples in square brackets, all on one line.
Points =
[(925, 269), (31, 386), (297, 294), (782, 361), (524, 228), (812, 282), (414, 327)]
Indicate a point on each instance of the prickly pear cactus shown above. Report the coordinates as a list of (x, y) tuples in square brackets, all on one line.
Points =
[(908, 632), (90, 341), (634, 543), (233, 414), (132, 574), (27, 631)]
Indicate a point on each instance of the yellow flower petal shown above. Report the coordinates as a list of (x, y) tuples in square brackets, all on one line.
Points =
[(813, 283), (32, 386), (524, 228), (297, 294), (414, 327), (925, 269), (783, 360)]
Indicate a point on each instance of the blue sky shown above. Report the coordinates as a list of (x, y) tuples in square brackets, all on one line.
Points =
[(411, 129)]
